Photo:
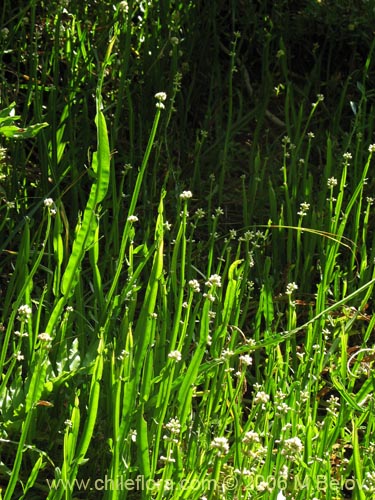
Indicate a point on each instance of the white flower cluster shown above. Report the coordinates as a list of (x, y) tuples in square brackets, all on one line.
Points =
[(303, 209), (24, 312), (291, 287), (214, 280), (132, 219), (185, 195), (173, 426), (160, 97), (50, 204), (221, 445), (194, 285), (175, 355), (292, 448)]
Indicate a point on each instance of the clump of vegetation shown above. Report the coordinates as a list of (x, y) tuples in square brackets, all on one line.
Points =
[(187, 252)]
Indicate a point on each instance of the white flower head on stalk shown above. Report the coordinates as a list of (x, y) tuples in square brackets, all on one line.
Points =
[(175, 355), (292, 448), (332, 182), (24, 312), (371, 148), (50, 204), (200, 213), (132, 219), (160, 97), (173, 426), (246, 360), (19, 356), (194, 285), (303, 209), (251, 437), (169, 459), (214, 280), (319, 98), (226, 354), (19, 334), (123, 6), (261, 397), (185, 195), (291, 287), (45, 337), (221, 445)]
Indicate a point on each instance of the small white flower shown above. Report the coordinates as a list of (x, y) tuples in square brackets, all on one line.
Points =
[(290, 288), (194, 285), (221, 445), (24, 312), (211, 297), (251, 437), (282, 409), (332, 182), (262, 486), (371, 148), (303, 209), (248, 236), (292, 448), (261, 397), (347, 156), (123, 355), (284, 472), (19, 334), (132, 219), (161, 96), (48, 202), (168, 460), (123, 6), (19, 356), (45, 337), (226, 354), (176, 355), (214, 280), (185, 195), (246, 360), (200, 213), (173, 426)]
